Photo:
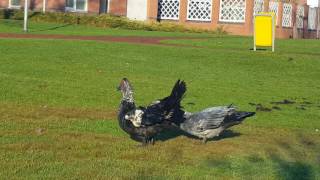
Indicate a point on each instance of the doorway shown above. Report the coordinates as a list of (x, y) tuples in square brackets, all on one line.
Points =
[(103, 6), (137, 9)]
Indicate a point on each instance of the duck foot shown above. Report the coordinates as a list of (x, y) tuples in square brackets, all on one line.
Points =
[(151, 141)]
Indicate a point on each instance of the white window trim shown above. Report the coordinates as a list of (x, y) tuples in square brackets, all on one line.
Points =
[(13, 6), (69, 9), (233, 21), (197, 19)]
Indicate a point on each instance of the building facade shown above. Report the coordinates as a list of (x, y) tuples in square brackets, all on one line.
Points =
[(293, 18), (117, 7)]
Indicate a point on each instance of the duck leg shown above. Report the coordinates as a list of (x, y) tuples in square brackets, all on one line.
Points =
[(204, 140), (144, 141), (151, 140)]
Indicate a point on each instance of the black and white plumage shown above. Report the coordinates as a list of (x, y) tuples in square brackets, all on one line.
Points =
[(212, 121), (155, 117), (205, 124)]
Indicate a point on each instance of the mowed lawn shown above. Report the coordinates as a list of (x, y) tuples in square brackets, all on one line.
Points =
[(58, 107)]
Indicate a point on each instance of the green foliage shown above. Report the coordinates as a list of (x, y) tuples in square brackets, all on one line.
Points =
[(103, 20)]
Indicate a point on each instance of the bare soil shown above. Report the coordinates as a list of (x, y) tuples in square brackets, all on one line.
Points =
[(127, 39)]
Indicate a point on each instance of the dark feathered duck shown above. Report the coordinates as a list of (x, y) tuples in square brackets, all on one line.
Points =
[(155, 117)]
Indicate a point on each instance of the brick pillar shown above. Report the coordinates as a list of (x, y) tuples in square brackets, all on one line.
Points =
[(215, 12), (266, 5), (295, 34), (152, 10), (280, 9), (118, 7), (305, 21), (183, 11), (249, 16), (93, 6)]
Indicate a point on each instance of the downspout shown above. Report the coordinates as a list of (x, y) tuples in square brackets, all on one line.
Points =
[(108, 8), (25, 23)]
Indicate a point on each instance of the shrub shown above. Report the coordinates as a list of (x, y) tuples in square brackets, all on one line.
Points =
[(103, 20)]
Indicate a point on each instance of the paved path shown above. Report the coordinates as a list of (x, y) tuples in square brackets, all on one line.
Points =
[(129, 39)]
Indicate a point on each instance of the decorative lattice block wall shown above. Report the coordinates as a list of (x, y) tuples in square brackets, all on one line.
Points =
[(168, 9), (300, 16), (273, 7), (232, 11), (312, 18), (287, 15), (258, 6), (199, 10)]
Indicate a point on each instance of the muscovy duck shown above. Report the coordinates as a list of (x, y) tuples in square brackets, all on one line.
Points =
[(205, 124), (210, 122), (156, 117)]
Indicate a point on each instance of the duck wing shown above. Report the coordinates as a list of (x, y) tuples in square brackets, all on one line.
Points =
[(165, 109), (210, 118)]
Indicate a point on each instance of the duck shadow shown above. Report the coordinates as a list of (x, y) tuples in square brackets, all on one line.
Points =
[(225, 135), (176, 132), (171, 133)]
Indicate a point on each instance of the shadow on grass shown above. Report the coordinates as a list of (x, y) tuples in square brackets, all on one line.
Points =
[(293, 170), (175, 132), (259, 49), (51, 28)]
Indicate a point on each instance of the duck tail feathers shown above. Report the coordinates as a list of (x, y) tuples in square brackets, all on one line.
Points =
[(242, 115), (177, 93)]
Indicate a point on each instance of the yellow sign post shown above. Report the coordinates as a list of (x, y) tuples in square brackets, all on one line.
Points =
[(264, 30)]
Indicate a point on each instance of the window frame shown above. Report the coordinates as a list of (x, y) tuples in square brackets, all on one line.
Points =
[(14, 6), (169, 18), (199, 19), (74, 8), (232, 21)]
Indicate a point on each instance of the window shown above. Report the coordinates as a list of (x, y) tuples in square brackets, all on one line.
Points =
[(258, 6), (14, 3), (312, 18), (76, 5), (232, 11), (199, 10), (300, 16), (273, 7), (286, 15), (168, 9)]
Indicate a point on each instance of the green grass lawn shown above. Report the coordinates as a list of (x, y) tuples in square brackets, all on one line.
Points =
[(58, 105)]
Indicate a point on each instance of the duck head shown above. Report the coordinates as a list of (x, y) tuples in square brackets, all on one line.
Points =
[(126, 90)]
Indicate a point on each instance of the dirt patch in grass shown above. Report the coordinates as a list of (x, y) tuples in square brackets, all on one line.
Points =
[(135, 40), (39, 112)]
